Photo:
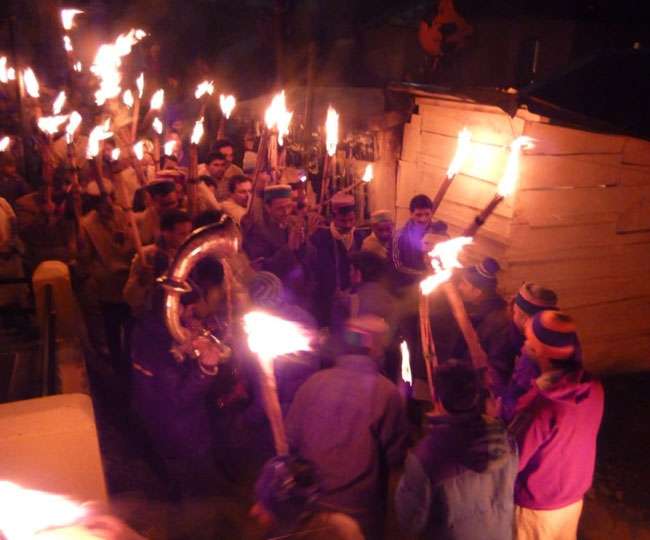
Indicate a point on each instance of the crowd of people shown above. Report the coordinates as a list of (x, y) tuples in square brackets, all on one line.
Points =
[(506, 451)]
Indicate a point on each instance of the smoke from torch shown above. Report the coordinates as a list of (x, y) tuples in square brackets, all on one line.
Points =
[(511, 175), (331, 130)]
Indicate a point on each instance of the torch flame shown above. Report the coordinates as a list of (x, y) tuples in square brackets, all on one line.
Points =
[(169, 147), (444, 259), (157, 125), (368, 174), (127, 98), (157, 100), (278, 117), (462, 151), (206, 87), (4, 76), (77, 67), (4, 143), (98, 134), (59, 102), (11, 74), (139, 82), (67, 44), (26, 512), (511, 175), (331, 130), (406, 363), (197, 132), (138, 150), (115, 154), (270, 337), (67, 17), (73, 124), (51, 124), (227, 104), (31, 83)]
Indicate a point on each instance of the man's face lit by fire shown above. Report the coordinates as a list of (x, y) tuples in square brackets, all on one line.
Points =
[(228, 152), (217, 168), (242, 193), (344, 221), (279, 210), (383, 231), (422, 216)]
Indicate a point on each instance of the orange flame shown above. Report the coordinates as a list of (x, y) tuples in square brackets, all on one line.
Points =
[(139, 82), (157, 125), (98, 134), (206, 87), (67, 44), (4, 143), (169, 147), (511, 175), (227, 104), (157, 100), (51, 124), (444, 259), (127, 98), (278, 117), (462, 151), (59, 102), (115, 154), (78, 67), (31, 83), (67, 17), (138, 150), (270, 337), (368, 174), (197, 132), (4, 76), (406, 363), (73, 124), (331, 130), (26, 512)]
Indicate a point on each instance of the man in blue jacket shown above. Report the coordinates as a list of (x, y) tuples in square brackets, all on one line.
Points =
[(458, 482)]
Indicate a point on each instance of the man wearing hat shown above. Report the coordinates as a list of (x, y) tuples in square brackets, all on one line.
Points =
[(458, 481), (276, 244), (380, 241), (164, 196), (350, 422), (488, 312), (556, 424), (329, 257)]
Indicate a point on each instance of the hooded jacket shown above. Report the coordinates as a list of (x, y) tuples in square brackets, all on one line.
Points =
[(458, 482), (555, 425)]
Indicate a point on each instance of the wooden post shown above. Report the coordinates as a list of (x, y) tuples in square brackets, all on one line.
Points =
[(428, 346), (442, 191)]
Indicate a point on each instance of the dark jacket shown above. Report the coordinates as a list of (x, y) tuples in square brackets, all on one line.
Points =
[(329, 270), (556, 424), (458, 482), (350, 421)]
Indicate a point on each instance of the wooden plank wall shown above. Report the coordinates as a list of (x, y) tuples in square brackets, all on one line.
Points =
[(579, 223)]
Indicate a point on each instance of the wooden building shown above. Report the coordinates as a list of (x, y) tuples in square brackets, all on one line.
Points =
[(579, 221)]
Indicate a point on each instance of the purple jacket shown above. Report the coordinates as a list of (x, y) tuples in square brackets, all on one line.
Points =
[(555, 425)]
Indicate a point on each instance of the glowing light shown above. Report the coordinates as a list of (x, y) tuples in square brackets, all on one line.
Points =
[(31, 83), (138, 150), (206, 87), (331, 130), (278, 117), (157, 100), (67, 44), (368, 174), (25, 512), (462, 151), (444, 259), (59, 102), (98, 134), (511, 175), (51, 124), (5, 142), (139, 82), (115, 154), (78, 67), (197, 132), (157, 125), (73, 124), (169, 148), (128, 99), (270, 337), (227, 104), (107, 62), (4, 76), (406, 363), (67, 17)]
